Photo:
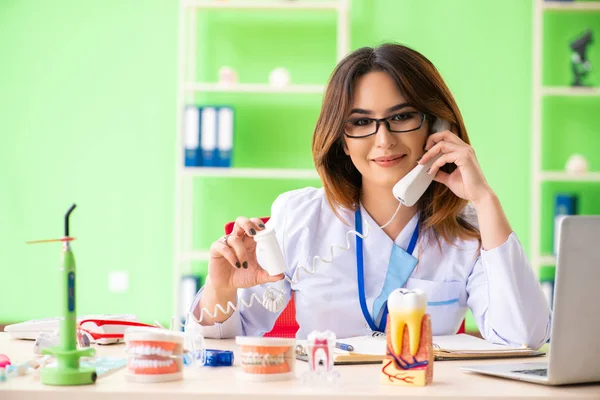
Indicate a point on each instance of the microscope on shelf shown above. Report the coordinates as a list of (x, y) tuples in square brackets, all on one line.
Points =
[(579, 62)]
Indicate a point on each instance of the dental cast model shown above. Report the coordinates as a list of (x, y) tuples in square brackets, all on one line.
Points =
[(154, 354), (267, 359), (409, 354)]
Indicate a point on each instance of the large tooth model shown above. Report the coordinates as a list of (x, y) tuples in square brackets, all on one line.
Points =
[(409, 360)]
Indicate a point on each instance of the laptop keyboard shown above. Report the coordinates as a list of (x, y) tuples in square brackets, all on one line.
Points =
[(538, 372)]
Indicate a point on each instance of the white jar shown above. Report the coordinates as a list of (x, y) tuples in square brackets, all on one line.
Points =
[(268, 252)]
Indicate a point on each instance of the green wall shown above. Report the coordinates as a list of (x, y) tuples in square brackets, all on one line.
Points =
[(88, 115)]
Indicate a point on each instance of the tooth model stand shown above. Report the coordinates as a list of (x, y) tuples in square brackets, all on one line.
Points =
[(409, 348)]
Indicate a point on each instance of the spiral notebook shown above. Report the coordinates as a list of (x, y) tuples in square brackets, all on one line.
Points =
[(371, 349)]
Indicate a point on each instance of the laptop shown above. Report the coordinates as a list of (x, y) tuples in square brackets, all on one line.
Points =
[(574, 355)]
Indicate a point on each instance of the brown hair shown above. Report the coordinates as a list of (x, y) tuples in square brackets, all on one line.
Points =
[(423, 87)]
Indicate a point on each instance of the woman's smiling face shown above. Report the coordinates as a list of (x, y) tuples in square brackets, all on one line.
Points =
[(385, 157)]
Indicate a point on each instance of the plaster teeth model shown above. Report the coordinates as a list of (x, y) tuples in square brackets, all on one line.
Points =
[(267, 359), (155, 355)]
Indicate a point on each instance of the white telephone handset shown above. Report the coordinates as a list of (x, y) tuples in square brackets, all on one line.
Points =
[(409, 189)]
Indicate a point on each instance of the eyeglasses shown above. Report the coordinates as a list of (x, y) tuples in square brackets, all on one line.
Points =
[(361, 127)]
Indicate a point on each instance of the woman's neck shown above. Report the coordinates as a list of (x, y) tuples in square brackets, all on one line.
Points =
[(381, 204)]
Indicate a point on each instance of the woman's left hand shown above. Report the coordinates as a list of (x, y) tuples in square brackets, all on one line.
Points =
[(467, 180)]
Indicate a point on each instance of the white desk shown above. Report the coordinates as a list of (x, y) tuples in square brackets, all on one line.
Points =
[(356, 381)]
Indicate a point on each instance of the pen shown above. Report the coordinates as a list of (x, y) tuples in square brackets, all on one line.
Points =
[(343, 346)]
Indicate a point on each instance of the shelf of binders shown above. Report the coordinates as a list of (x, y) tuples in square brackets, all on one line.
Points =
[(208, 145), (572, 5), (194, 128), (262, 5)]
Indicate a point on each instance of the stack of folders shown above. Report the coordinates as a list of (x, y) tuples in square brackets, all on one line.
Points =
[(372, 349), (208, 136)]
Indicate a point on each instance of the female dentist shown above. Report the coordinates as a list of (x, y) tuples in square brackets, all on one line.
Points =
[(455, 243)]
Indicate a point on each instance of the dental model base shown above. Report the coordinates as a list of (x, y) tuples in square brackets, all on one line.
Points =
[(409, 189), (154, 355), (267, 359), (68, 371), (409, 346), (320, 348)]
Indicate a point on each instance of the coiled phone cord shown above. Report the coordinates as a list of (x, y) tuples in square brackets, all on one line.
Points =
[(274, 299)]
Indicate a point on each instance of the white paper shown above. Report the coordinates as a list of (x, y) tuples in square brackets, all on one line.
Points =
[(462, 343)]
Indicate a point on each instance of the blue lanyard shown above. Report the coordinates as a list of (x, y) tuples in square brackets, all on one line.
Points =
[(361, 273)]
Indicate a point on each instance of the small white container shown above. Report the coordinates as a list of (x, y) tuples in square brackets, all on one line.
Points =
[(279, 77), (269, 253), (577, 164)]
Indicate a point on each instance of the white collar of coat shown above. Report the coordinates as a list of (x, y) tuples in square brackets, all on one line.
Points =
[(379, 236)]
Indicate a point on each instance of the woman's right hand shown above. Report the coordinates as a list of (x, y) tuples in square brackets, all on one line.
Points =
[(233, 262)]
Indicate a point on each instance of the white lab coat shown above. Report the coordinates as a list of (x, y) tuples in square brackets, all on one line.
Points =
[(498, 285)]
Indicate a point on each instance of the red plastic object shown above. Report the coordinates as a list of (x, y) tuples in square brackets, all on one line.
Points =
[(461, 329), (101, 322), (229, 225), (4, 361)]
